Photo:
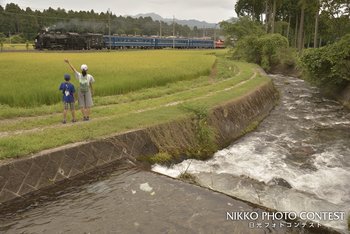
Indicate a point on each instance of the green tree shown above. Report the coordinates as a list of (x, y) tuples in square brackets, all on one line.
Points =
[(263, 50), (328, 65), (317, 17), (243, 27), (2, 40), (302, 4), (251, 8)]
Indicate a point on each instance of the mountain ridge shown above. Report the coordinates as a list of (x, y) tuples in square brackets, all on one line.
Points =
[(191, 22)]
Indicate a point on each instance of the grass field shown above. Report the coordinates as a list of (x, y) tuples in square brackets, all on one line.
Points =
[(32, 79), (22, 130), (11, 47)]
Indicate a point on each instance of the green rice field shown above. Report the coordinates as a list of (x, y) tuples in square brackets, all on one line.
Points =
[(32, 79)]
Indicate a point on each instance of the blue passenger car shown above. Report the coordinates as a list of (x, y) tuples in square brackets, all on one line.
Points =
[(200, 43), (118, 42)]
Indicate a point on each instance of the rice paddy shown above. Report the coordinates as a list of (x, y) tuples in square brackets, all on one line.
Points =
[(32, 79)]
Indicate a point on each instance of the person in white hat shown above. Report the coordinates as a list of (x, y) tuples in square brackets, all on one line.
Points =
[(85, 91)]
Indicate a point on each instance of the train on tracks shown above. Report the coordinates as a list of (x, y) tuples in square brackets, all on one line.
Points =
[(88, 41)]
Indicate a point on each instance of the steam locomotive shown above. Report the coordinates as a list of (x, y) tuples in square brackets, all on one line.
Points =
[(87, 41), (68, 41)]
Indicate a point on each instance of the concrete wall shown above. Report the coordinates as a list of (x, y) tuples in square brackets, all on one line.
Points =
[(23, 176), (345, 96)]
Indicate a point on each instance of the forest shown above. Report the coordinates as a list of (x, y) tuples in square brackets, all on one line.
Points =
[(306, 23), (311, 37), (24, 24)]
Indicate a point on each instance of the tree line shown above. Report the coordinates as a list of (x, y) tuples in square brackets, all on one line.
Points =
[(275, 33), (27, 23), (306, 23)]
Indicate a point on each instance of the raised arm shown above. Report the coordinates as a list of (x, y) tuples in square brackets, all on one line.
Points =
[(92, 91), (70, 65)]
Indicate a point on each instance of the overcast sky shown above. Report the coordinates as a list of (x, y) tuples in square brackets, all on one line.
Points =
[(209, 10)]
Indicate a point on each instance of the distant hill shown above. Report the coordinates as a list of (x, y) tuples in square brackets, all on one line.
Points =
[(191, 23)]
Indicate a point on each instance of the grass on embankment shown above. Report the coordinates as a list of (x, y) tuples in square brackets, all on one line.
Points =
[(134, 110)]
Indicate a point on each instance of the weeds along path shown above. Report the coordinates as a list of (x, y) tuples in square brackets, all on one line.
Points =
[(25, 135)]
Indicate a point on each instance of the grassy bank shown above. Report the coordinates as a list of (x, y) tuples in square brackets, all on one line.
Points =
[(118, 113)]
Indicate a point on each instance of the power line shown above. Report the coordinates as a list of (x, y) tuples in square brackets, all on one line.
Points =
[(109, 30)]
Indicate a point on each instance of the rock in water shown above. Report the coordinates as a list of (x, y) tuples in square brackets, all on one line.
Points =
[(279, 181)]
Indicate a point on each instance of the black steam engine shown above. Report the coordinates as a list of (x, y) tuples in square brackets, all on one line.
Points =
[(68, 41), (87, 41)]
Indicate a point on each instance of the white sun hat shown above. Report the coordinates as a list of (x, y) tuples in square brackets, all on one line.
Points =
[(84, 67)]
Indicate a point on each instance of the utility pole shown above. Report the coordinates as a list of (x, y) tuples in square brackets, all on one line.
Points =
[(160, 29), (173, 31), (109, 30), (215, 36)]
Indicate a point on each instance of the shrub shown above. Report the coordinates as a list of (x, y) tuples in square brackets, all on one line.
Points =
[(287, 56), (162, 158), (269, 45), (17, 39), (329, 65), (205, 134), (247, 49), (2, 37), (263, 50)]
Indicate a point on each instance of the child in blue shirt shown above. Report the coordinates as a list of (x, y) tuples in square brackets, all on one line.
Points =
[(68, 91)]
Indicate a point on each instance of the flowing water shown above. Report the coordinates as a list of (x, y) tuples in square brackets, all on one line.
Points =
[(298, 160), (127, 200)]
